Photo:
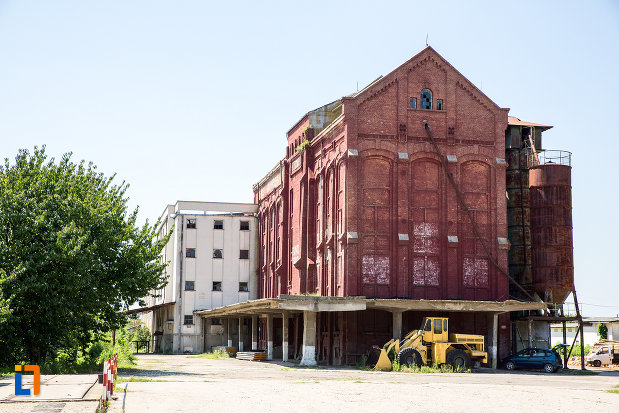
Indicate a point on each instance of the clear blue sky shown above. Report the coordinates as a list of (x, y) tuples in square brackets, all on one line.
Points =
[(191, 100)]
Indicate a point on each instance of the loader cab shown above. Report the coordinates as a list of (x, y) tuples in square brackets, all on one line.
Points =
[(435, 329)]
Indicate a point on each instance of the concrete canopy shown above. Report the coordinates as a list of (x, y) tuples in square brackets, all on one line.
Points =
[(299, 303)]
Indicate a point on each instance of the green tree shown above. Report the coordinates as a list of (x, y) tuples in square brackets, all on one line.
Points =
[(72, 258), (602, 331)]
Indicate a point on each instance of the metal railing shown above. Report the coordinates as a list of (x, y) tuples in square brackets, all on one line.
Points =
[(557, 157), (142, 345)]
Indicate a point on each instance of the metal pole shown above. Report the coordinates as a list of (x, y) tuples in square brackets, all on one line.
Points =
[(564, 340), (573, 342), (580, 328), (180, 285)]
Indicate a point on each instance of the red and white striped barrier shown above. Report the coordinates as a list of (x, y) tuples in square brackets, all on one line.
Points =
[(110, 370)]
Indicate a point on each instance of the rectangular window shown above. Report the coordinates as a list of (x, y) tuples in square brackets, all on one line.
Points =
[(190, 253), (188, 320), (439, 104), (244, 255), (438, 326), (218, 225), (243, 287), (189, 285), (216, 285), (244, 225), (218, 254), (216, 321), (412, 104), (191, 223)]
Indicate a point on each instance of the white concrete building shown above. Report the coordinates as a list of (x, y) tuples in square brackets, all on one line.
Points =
[(590, 330), (211, 263)]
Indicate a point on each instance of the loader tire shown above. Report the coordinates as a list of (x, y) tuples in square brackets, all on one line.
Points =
[(459, 359), (409, 357)]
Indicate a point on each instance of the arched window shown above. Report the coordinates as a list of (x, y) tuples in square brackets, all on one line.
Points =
[(426, 99)]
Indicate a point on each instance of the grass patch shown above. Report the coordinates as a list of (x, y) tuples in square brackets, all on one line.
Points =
[(578, 372), (132, 379), (215, 355), (614, 390), (121, 380), (445, 368), (359, 381), (362, 364), (316, 367)]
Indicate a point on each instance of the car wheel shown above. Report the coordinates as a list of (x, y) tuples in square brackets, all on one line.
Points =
[(510, 365), (597, 363), (549, 368)]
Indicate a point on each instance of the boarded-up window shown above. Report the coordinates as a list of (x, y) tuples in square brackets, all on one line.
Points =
[(425, 202), (475, 272), (475, 184), (375, 270), (376, 223)]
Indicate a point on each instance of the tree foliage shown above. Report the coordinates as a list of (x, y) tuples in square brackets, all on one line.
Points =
[(602, 331), (72, 258)]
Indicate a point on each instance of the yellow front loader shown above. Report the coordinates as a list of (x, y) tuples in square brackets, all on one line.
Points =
[(433, 345)]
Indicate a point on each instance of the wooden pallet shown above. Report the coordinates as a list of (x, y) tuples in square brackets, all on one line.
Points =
[(252, 355)]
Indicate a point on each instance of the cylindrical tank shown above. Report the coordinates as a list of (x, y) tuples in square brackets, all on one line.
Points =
[(551, 231)]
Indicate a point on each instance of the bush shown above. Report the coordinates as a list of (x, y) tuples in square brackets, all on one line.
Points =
[(91, 360), (575, 350), (303, 145), (602, 331), (141, 334)]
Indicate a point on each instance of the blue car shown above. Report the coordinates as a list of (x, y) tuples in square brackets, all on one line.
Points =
[(534, 358)]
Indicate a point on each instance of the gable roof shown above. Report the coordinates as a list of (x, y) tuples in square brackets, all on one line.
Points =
[(428, 49)]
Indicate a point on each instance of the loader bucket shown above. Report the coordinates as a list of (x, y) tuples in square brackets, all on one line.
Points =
[(383, 363), (387, 354)]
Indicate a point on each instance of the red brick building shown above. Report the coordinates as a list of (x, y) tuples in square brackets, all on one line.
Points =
[(396, 194), (366, 207), (362, 206)]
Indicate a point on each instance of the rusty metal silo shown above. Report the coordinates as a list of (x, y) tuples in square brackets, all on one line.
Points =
[(550, 191)]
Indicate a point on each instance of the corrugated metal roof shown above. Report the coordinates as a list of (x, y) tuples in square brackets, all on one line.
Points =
[(512, 120)]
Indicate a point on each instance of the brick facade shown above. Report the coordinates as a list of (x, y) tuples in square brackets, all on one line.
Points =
[(366, 208)]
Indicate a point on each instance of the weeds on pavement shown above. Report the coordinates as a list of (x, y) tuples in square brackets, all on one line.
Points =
[(215, 355)]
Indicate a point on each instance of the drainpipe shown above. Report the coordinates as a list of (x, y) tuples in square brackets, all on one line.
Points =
[(180, 285)]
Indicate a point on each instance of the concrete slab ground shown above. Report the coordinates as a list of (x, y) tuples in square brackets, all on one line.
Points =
[(67, 393), (177, 383)]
